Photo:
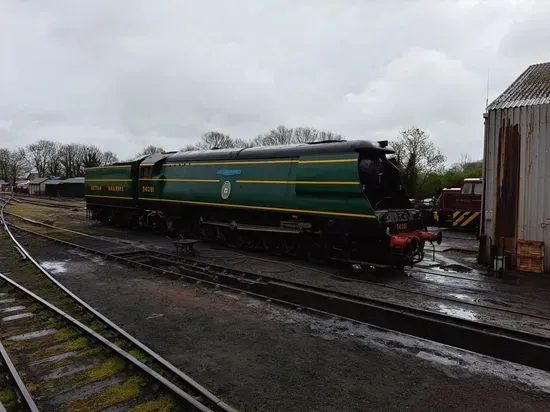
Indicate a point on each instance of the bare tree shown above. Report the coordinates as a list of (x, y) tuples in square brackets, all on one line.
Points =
[(19, 164), (242, 143), (305, 135), (418, 157), (327, 135), (215, 140), (71, 158), (92, 157), (13, 165), (5, 165), (108, 158), (189, 148), (44, 157), (53, 160), (149, 150), (281, 135)]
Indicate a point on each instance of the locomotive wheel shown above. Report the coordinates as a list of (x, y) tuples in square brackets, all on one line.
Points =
[(317, 253), (272, 243), (233, 238)]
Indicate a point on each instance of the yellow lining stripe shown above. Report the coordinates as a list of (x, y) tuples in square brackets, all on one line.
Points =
[(467, 221), (455, 214), (230, 162), (112, 197), (275, 209), (108, 180), (158, 179), (257, 162), (328, 161), (109, 167), (297, 182)]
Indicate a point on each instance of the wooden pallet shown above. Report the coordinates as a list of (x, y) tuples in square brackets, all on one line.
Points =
[(530, 256)]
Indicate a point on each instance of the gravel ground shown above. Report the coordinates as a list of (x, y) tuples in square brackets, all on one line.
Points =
[(258, 356)]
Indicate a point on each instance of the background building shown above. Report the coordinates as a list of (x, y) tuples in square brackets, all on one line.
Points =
[(515, 220)]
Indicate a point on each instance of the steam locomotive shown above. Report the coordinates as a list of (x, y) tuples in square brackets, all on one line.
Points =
[(337, 200)]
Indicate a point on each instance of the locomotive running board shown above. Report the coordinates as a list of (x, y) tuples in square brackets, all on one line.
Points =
[(251, 228)]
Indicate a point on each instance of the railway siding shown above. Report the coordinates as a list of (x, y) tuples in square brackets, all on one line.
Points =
[(487, 338), (119, 342)]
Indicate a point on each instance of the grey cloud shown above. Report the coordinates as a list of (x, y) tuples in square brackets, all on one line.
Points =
[(120, 74)]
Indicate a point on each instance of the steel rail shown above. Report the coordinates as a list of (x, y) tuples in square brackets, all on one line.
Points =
[(50, 204), (371, 281), (18, 381), (415, 270), (186, 378), (491, 340), (106, 342)]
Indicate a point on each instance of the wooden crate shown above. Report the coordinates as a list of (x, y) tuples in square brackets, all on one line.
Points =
[(530, 256)]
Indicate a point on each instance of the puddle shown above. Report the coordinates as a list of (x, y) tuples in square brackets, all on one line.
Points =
[(461, 296), (55, 266), (32, 335), (14, 308), (456, 268), (18, 316), (459, 313)]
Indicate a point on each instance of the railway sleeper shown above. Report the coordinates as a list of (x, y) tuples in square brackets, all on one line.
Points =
[(66, 369)]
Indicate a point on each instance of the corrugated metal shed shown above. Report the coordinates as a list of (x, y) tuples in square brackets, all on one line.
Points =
[(516, 202), (37, 186), (531, 88)]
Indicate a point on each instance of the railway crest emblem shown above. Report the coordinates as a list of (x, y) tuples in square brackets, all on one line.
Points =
[(226, 189)]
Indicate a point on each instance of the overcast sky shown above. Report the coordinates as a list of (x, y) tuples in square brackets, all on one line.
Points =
[(122, 74)]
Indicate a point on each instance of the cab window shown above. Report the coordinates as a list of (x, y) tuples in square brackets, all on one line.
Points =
[(467, 189), (145, 172), (478, 188)]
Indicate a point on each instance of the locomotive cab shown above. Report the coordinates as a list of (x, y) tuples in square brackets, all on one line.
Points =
[(381, 182), (382, 185)]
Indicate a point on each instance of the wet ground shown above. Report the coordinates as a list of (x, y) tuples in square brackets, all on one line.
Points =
[(456, 240), (263, 357), (452, 284), (259, 356)]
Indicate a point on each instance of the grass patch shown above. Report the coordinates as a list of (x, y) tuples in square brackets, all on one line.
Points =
[(7, 396), (112, 396), (65, 334), (139, 355), (106, 369), (163, 403)]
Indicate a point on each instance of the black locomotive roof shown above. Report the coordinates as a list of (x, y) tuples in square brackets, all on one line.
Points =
[(267, 152)]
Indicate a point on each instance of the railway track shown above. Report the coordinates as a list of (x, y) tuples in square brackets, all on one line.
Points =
[(14, 393), (499, 342), (61, 205), (43, 338), (48, 345), (419, 276)]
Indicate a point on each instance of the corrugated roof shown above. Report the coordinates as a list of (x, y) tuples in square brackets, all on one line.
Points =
[(531, 88), (38, 181), (75, 180)]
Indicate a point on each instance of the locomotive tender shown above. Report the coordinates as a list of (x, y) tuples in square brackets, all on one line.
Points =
[(341, 200)]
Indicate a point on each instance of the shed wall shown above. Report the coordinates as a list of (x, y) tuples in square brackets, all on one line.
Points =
[(526, 129)]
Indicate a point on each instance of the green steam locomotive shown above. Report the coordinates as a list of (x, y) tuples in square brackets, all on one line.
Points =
[(340, 200)]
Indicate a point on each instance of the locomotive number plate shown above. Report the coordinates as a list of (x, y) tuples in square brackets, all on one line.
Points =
[(401, 226)]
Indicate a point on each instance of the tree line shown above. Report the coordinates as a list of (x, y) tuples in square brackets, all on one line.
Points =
[(422, 164)]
